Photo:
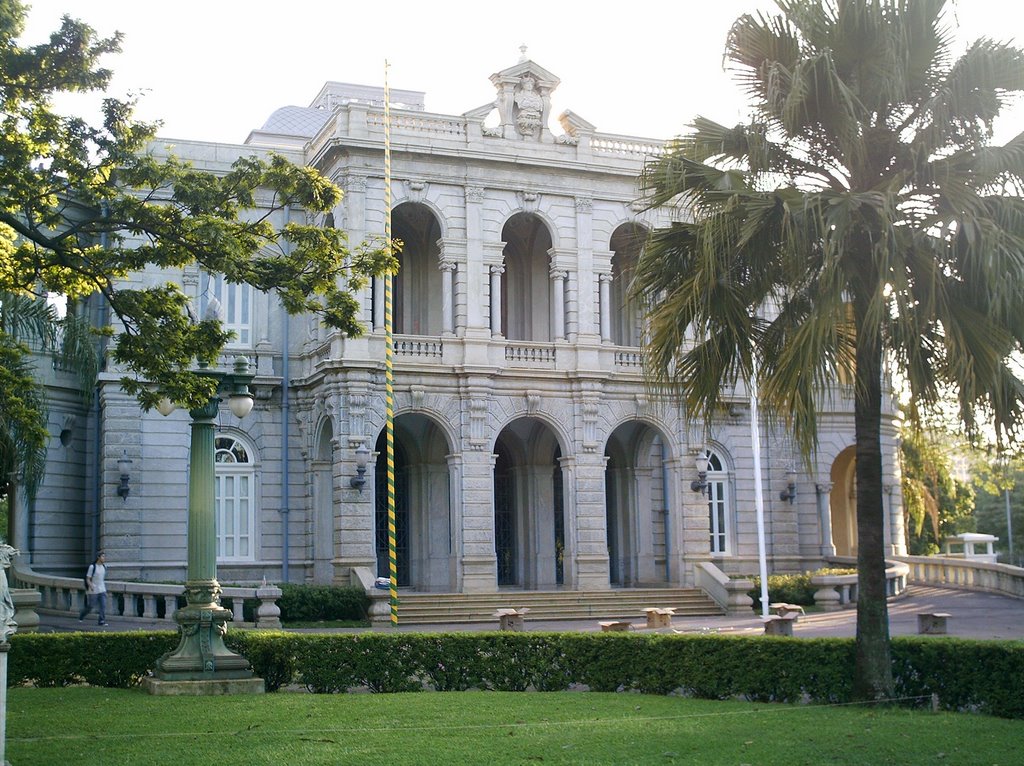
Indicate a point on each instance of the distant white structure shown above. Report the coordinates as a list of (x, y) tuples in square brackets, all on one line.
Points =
[(965, 545), (529, 453)]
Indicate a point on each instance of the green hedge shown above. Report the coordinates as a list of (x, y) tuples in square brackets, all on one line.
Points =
[(966, 675), (790, 588), (314, 603)]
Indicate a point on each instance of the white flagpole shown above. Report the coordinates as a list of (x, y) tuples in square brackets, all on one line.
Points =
[(755, 443)]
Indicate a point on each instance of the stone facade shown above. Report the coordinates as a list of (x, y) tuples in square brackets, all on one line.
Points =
[(528, 452)]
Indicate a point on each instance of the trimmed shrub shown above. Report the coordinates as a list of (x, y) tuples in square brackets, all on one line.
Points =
[(790, 588), (981, 676), (272, 654), (117, 660), (314, 603)]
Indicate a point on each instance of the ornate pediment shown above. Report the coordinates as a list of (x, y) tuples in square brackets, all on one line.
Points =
[(524, 99)]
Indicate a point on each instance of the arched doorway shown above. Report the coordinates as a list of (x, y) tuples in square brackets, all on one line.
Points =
[(843, 503), (418, 283), (637, 506), (526, 286), (626, 244), (423, 524), (529, 512)]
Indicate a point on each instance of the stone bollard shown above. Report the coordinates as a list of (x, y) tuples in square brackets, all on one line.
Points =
[(26, 601), (828, 598), (268, 613)]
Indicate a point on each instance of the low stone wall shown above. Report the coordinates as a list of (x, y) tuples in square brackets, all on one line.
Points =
[(731, 595), (148, 601), (835, 592)]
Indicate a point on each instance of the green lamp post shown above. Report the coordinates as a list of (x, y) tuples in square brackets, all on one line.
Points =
[(201, 663)]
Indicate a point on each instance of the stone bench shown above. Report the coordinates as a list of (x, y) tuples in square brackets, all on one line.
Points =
[(612, 625), (783, 609), (932, 623), (659, 617), (779, 624), (510, 619)]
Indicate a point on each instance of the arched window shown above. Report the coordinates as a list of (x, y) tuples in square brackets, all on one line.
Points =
[(718, 504), (235, 499), (235, 307)]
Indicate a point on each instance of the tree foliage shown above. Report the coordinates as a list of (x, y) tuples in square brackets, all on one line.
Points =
[(84, 207), (936, 503), (861, 216), (30, 325)]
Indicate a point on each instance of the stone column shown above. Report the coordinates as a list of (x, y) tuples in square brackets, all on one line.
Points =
[(447, 297), (496, 328), (643, 513), (581, 301), (558, 277), (606, 307), (378, 304), (589, 525), (350, 216), (673, 470), (823, 491), (539, 563), (455, 515), (475, 274)]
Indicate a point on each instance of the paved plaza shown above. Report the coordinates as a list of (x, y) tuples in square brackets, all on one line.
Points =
[(972, 615)]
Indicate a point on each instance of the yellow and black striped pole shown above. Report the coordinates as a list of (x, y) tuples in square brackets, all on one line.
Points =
[(389, 346)]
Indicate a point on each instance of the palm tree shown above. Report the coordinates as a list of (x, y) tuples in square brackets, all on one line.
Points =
[(30, 324), (861, 217)]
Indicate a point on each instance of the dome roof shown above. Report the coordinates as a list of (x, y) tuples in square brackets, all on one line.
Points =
[(296, 121)]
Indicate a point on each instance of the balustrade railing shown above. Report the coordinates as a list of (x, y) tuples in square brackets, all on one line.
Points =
[(963, 573), (624, 145), (629, 358), (530, 355), (149, 601), (414, 348)]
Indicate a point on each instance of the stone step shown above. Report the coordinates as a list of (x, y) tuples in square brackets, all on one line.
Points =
[(426, 608)]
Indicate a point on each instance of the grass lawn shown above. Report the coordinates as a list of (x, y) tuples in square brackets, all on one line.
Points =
[(113, 726)]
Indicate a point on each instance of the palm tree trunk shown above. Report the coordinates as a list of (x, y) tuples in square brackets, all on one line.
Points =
[(873, 666)]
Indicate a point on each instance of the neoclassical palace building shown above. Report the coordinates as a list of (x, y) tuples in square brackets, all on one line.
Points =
[(529, 453)]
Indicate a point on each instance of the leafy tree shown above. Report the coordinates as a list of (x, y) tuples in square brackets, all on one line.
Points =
[(83, 207), (28, 324), (936, 504), (862, 215), (998, 480)]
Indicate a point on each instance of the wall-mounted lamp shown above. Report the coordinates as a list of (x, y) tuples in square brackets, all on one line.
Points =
[(362, 456), (789, 493), (124, 465), (701, 462)]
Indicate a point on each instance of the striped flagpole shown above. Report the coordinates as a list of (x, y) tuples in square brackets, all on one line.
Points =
[(389, 347)]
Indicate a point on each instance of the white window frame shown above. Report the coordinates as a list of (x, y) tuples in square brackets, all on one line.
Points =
[(236, 302), (719, 506), (235, 500)]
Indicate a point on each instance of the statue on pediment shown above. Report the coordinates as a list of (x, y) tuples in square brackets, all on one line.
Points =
[(530, 107)]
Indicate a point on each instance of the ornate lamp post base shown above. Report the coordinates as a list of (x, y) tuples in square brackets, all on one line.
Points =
[(201, 663)]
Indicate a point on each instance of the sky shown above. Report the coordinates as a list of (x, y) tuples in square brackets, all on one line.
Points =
[(216, 69)]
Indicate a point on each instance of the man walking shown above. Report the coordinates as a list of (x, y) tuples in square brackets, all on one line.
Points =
[(96, 589)]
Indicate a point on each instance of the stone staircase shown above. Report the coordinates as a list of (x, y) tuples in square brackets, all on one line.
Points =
[(432, 608)]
